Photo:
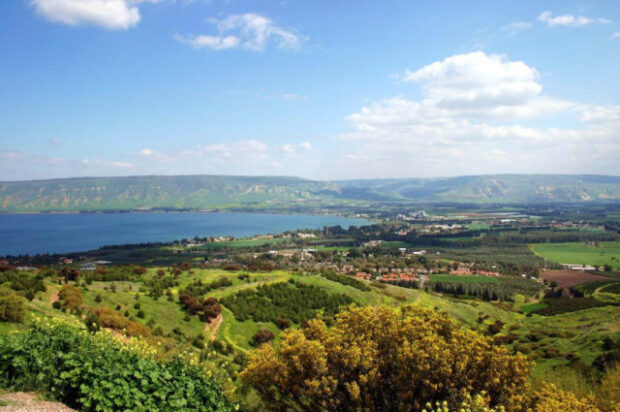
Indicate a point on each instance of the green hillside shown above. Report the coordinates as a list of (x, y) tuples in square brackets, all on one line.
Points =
[(203, 192), (148, 192), (492, 188)]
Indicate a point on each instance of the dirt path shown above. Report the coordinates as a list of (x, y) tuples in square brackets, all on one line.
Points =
[(29, 402), (54, 296), (212, 327)]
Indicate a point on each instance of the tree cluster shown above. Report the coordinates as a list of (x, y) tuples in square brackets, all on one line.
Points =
[(294, 301)]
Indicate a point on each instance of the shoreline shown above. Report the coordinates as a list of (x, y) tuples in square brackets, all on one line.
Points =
[(165, 240)]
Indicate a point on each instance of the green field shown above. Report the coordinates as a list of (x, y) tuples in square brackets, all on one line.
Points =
[(580, 253), (463, 279)]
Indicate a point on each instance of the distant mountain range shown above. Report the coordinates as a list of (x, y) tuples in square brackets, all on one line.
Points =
[(207, 192)]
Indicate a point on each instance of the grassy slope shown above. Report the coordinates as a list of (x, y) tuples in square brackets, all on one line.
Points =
[(580, 253), (579, 333)]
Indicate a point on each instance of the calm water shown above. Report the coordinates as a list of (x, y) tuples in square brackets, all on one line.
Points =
[(43, 233)]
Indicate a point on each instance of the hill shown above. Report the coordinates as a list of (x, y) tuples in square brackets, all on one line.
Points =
[(490, 188), (204, 192), (149, 192)]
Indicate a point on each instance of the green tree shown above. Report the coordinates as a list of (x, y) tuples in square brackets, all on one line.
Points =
[(12, 307)]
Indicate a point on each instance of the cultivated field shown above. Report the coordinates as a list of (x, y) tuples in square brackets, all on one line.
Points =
[(569, 278), (580, 253)]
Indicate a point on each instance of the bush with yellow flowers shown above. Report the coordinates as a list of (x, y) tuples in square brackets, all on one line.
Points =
[(384, 359)]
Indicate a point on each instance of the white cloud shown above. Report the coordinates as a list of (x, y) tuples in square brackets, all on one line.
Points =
[(108, 164), (249, 31), (569, 20), (288, 149), (110, 14), (155, 155), (478, 113), (616, 35), (250, 149), (295, 150), (211, 42), (479, 85), (515, 27), (15, 165)]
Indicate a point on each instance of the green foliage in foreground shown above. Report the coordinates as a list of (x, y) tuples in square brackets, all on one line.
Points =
[(95, 372)]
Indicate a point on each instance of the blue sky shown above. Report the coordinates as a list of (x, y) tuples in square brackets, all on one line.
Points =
[(318, 89)]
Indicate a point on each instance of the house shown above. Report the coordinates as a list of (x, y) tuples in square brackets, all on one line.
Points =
[(362, 275), (389, 277), (488, 273), (460, 271), (65, 260), (578, 267)]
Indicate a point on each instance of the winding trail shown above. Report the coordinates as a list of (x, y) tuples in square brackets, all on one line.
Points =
[(54, 295), (212, 327)]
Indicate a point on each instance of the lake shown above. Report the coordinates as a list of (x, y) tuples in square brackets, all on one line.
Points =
[(64, 233)]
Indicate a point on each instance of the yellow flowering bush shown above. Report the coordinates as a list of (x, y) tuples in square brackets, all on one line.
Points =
[(380, 358)]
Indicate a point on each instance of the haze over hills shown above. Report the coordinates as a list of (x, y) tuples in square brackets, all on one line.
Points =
[(207, 191)]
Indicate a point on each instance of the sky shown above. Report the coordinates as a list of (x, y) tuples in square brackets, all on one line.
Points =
[(318, 89)]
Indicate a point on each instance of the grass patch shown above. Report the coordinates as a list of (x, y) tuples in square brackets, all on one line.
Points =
[(580, 253), (533, 307)]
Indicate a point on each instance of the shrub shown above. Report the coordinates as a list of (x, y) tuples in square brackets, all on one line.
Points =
[(98, 299), (551, 399), (283, 323), (96, 372), (70, 297), (505, 339), (139, 270), (12, 307), (379, 358), (495, 328), (262, 336)]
